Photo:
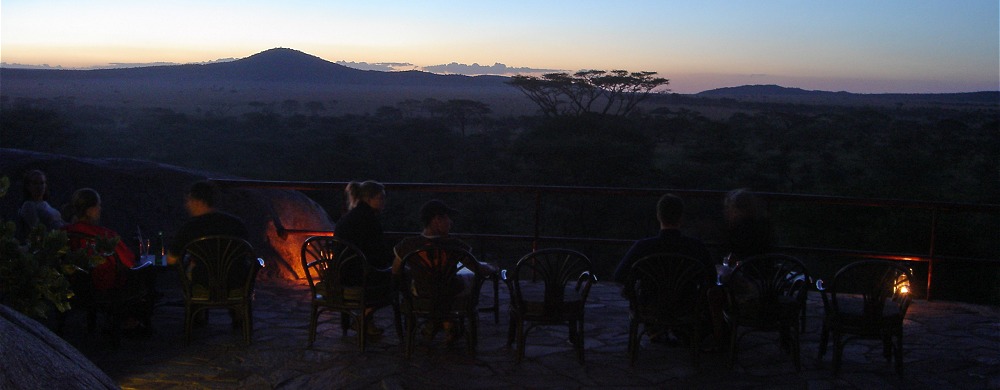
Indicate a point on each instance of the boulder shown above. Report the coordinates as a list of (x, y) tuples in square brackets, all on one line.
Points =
[(35, 358), (145, 197)]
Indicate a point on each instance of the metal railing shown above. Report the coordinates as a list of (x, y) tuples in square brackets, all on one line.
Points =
[(539, 192)]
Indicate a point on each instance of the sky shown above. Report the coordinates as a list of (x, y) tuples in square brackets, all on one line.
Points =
[(861, 46)]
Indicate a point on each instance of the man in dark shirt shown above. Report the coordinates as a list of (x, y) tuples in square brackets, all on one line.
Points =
[(669, 211), (205, 221)]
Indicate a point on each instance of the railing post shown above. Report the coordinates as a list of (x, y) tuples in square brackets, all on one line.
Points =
[(538, 220), (930, 251)]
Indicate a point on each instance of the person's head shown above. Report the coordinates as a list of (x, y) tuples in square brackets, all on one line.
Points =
[(435, 216), (372, 193), (742, 204), (35, 185), (669, 210), (351, 194), (86, 206), (200, 198)]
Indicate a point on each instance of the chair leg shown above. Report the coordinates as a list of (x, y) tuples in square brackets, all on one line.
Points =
[(397, 320), (411, 333), (362, 322), (520, 341), (511, 330), (633, 341), (824, 338), (496, 300), (838, 352), (345, 322), (796, 352), (887, 351), (899, 352), (472, 333), (576, 337), (732, 345), (695, 344), (248, 323), (313, 322), (188, 324)]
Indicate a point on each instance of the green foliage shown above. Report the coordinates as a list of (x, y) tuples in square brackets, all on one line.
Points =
[(33, 277)]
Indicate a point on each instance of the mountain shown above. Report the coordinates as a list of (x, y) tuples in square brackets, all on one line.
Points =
[(776, 92), (764, 90), (279, 65)]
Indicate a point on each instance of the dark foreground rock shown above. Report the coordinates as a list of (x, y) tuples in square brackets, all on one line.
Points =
[(35, 358)]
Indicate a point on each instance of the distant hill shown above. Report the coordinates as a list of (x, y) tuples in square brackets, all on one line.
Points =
[(279, 65), (779, 93)]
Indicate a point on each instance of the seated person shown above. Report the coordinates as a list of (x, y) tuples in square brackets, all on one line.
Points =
[(36, 209), (669, 212), (434, 215), (205, 221), (106, 278), (362, 227), (86, 205)]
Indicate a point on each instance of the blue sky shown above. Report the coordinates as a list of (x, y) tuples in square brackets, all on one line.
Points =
[(858, 46)]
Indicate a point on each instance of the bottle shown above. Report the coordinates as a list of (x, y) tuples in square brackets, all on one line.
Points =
[(161, 257)]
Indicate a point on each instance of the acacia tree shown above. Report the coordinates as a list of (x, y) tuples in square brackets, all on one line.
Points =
[(617, 92), (463, 112)]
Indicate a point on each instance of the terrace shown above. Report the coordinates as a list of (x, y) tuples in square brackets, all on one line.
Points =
[(947, 344)]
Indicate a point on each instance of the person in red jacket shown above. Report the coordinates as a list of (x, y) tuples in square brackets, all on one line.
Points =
[(86, 209)]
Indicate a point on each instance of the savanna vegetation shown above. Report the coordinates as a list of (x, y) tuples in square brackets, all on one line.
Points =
[(923, 153)]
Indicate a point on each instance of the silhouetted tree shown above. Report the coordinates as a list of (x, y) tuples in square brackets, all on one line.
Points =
[(464, 111), (617, 92)]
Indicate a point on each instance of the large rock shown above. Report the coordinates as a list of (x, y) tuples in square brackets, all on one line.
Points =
[(144, 196), (35, 358)]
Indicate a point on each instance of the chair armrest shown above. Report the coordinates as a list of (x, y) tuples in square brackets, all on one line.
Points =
[(585, 280), (823, 293), (260, 262), (142, 266)]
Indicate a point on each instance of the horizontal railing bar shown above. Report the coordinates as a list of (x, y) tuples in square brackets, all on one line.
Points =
[(604, 191), (626, 242)]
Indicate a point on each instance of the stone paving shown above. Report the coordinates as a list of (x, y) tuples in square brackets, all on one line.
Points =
[(947, 345)]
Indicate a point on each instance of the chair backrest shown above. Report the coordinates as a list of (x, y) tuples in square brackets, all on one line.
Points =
[(331, 264), (878, 282), (429, 278), (770, 281), (219, 263), (432, 270), (556, 268), (668, 285)]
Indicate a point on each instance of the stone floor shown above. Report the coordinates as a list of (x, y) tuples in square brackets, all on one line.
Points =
[(948, 345)]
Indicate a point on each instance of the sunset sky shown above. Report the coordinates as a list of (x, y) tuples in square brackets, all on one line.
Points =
[(864, 46)]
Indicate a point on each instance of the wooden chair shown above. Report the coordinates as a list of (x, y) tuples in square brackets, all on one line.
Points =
[(331, 266), (767, 293), (866, 300), (219, 272), (434, 290), (667, 291), (548, 287)]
